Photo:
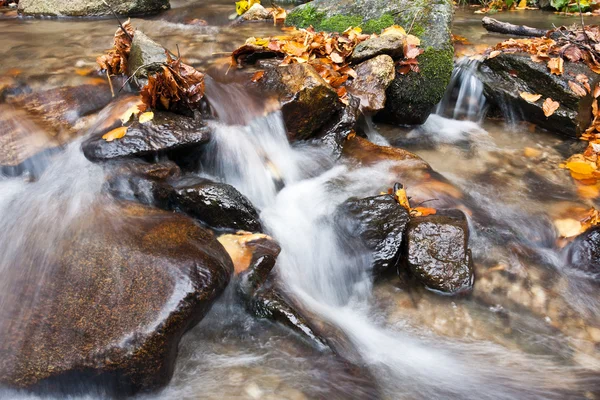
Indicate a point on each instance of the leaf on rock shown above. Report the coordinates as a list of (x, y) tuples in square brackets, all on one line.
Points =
[(556, 66), (117, 133), (550, 106), (530, 97), (115, 60), (146, 117), (577, 89), (494, 53), (394, 30)]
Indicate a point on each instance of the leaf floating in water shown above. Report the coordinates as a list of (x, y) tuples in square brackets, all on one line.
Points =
[(550, 106), (117, 133), (530, 97), (577, 89), (146, 117)]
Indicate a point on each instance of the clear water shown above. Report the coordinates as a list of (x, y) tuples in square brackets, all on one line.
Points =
[(529, 331)]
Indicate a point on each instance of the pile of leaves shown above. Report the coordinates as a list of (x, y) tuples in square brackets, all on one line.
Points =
[(579, 221), (115, 60), (327, 52), (175, 86), (559, 45)]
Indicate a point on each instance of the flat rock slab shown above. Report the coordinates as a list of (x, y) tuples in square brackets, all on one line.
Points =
[(391, 45), (111, 301), (90, 8), (166, 132), (506, 76)]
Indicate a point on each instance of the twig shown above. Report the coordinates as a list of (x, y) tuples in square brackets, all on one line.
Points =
[(587, 39), (413, 21), (136, 71), (110, 84), (118, 20)]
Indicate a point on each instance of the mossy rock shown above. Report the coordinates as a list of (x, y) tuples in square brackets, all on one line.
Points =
[(413, 96)]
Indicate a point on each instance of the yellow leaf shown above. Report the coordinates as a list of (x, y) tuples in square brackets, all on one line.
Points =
[(117, 133), (402, 198), (241, 7), (394, 29), (133, 110), (580, 167), (146, 117), (412, 40), (522, 5), (568, 227), (530, 97), (550, 106)]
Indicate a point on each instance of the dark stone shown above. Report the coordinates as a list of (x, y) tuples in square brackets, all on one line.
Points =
[(379, 222), (506, 76), (111, 301), (335, 132), (584, 253), (90, 8), (165, 133), (307, 101), (145, 57), (218, 205), (437, 251)]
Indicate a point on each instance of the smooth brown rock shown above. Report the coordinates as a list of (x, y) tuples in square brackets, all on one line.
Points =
[(374, 77)]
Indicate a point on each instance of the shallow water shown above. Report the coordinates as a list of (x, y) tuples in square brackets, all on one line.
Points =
[(530, 330)]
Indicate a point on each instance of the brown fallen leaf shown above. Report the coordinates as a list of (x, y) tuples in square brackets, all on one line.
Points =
[(597, 91), (494, 53), (530, 97), (577, 89), (550, 106), (117, 133), (257, 76), (146, 117), (556, 66)]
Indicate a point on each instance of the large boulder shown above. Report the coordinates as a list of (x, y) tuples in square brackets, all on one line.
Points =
[(437, 251), (374, 77), (90, 8), (166, 132), (145, 57), (508, 75), (307, 101), (110, 302), (413, 96), (379, 222)]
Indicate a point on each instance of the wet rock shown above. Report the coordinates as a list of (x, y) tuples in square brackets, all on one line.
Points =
[(506, 76), (584, 253), (335, 132), (368, 153), (307, 101), (254, 257), (437, 251), (379, 222), (165, 133), (218, 205), (374, 77), (413, 96), (145, 57), (90, 8), (391, 45), (256, 13), (110, 303)]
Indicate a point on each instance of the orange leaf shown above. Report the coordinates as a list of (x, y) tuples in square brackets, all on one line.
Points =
[(530, 97), (257, 76), (556, 66), (577, 89), (117, 133), (550, 106)]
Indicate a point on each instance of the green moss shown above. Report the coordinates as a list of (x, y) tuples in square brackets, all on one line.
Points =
[(417, 30), (303, 17), (435, 71)]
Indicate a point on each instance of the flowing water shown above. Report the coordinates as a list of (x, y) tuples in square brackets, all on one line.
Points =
[(530, 330)]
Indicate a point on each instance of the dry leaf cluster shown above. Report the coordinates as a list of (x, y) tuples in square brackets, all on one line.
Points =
[(328, 53), (176, 85), (115, 60)]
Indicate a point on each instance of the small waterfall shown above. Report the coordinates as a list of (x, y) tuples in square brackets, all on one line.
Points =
[(464, 99)]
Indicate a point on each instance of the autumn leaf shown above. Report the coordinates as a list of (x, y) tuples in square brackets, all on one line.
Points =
[(550, 106), (494, 53), (530, 97), (577, 89), (556, 66), (146, 117), (394, 30), (422, 211), (597, 91), (567, 227), (257, 76), (117, 133)]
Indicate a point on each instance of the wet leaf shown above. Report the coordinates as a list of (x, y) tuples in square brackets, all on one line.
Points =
[(117, 133), (494, 53), (580, 167), (146, 117), (556, 66), (394, 30), (422, 211), (530, 97), (550, 106), (567, 227), (257, 76)]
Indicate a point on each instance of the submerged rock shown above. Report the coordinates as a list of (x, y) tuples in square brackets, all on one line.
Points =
[(413, 96), (437, 251), (379, 222), (374, 77), (307, 101), (111, 301), (584, 253), (506, 76), (218, 205), (166, 132), (90, 8)]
